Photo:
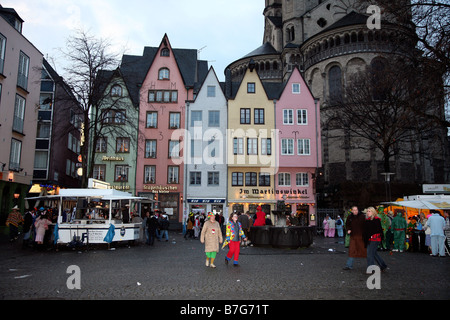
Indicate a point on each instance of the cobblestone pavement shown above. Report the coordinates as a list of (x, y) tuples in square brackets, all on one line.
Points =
[(175, 270)]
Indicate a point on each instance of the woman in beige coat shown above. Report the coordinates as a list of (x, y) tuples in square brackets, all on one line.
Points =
[(211, 236)]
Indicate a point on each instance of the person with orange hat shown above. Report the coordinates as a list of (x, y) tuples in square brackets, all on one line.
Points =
[(211, 236)]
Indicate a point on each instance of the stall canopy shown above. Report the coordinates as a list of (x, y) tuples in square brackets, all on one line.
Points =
[(424, 202), (420, 204)]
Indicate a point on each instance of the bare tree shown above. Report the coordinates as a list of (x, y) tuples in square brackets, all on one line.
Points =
[(87, 58), (379, 110)]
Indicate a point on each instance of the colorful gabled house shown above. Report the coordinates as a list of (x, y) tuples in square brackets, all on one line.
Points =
[(170, 79), (299, 147), (251, 144), (115, 139), (205, 145)]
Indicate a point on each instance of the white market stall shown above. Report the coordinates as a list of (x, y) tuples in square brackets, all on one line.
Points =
[(92, 227)]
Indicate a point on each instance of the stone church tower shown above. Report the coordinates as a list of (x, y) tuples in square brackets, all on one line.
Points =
[(329, 40)]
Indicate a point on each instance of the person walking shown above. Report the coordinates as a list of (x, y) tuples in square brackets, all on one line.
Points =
[(233, 236), (41, 225), (13, 221), (373, 235), (152, 227), (211, 236), (340, 227), (245, 223), (355, 228), (164, 227), (398, 227), (437, 224)]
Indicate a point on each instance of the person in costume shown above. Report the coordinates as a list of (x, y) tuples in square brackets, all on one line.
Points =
[(260, 218), (211, 236), (398, 227), (14, 219), (233, 236)]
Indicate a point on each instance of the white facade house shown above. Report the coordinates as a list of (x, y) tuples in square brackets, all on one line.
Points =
[(205, 149)]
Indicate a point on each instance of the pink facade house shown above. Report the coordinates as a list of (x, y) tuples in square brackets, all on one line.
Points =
[(299, 148), (170, 80)]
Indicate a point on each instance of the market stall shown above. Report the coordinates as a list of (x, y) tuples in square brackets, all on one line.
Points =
[(91, 216)]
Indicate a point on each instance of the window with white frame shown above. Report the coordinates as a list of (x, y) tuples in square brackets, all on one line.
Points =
[(287, 146), (303, 147), (259, 116), (99, 172), (252, 146), (149, 174), (302, 179), (237, 179), (121, 173), (163, 74), (288, 116), (296, 88), (122, 145), (284, 179), (238, 146), (15, 154), (172, 174), (152, 119), (150, 149), (19, 114), (102, 145), (24, 65), (302, 116), (266, 146), (174, 120), (245, 116), (2, 52), (174, 149)]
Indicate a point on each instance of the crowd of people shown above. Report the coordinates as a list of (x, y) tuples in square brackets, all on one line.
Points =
[(35, 225), (372, 230)]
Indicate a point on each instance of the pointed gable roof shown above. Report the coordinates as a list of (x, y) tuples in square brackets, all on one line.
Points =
[(135, 68)]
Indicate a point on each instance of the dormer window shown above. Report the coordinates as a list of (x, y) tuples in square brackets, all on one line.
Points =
[(163, 74), (18, 25)]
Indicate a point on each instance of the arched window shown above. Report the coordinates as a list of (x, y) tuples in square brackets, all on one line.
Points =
[(165, 52), (163, 74), (335, 84), (116, 90)]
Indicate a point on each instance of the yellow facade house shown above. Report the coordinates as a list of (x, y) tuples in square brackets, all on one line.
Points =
[(251, 146)]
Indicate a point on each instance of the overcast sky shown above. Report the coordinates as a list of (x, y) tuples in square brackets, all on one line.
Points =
[(225, 30)]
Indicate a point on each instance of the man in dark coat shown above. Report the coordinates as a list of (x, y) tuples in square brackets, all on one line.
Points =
[(355, 228)]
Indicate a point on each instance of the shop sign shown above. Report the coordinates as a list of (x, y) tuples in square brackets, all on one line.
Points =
[(106, 158), (206, 200), (160, 189)]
